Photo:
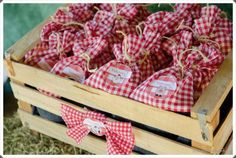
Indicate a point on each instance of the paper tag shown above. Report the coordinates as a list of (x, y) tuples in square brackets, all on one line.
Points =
[(164, 86), (118, 74), (44, 65), (95, 126), (75, 72)]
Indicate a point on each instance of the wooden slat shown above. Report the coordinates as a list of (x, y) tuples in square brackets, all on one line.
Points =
[(25, 106), (215, 122), (223, 133), (228, 149), (143, 139), (214, 95), (117, 105), (57, 131), (27, 42)]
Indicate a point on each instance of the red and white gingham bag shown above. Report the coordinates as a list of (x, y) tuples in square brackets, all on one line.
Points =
[(167, 89), (193, 12), (41, 57), (125, 15), (79, 67), (120, 76), (203, 65), (73, 13), (170, 88), (212, 29)]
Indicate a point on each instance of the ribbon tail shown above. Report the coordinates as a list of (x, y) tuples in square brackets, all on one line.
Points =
[(121, 141), (78, 133)]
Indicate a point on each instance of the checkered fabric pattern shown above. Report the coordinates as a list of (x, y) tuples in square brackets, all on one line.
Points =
[(41, 57), (178, 42), (101, 24), (165, 22), (181, 100), (81, 12), (193, 11), (65, 42), (208, 26), (99, 80), (204, 71), (119, 136), (210, 11), (48, 29), (74, 13), (92, 46)]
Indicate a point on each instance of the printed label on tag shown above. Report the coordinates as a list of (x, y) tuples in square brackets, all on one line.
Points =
[(118, 74), (75, 72), (164, 86), (95, 126), (44, 65)]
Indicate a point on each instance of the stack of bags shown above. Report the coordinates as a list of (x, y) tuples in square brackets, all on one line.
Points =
[(164, 59)]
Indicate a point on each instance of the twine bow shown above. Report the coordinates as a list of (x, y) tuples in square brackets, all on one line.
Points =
[(119, 136), (181, 56), (126, 55), (87, 58), (201, 38)]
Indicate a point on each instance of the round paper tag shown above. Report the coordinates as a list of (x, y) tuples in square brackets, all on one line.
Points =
[(162, 87), (95, 126), (75, 72), (117, 75)]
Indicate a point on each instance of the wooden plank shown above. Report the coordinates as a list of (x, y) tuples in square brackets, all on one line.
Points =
[(27, 42), (216, 120), (25, 106), (228, 149), (214, 95), (223, 134), (57, 131), (117, 105), (201, 146), (143, 139)]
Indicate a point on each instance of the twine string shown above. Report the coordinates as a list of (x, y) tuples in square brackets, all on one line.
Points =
[(87, 58), (125, 46)]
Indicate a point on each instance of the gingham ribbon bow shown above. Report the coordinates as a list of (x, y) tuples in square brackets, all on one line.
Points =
[(119, 136)]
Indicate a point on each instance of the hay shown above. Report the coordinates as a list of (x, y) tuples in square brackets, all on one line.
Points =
[(21, 140)]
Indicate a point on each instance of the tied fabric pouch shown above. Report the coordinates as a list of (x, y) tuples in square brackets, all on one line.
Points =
[(122, 75)]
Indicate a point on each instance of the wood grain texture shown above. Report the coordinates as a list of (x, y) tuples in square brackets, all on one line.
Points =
[(57, 131), (214, 95), (223, 133), (117, 105), (144, 139)]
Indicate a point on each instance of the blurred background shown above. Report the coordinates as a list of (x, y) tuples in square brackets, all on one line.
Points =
[(18, 20)]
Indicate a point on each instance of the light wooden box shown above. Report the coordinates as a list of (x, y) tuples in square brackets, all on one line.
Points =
[(188, 127)]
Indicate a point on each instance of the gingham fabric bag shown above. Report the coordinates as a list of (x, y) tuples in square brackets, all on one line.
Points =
[(125, 15), (79, 66), (41, 57), (101, 26), (45, 55), (164, 24), (68, 18), (170, 88), (73, 13), (167, 89), (193, 12), (203, 65), (122, 75), (211, 28)]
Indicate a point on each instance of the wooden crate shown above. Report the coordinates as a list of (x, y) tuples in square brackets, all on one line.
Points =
[(193, 127)]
